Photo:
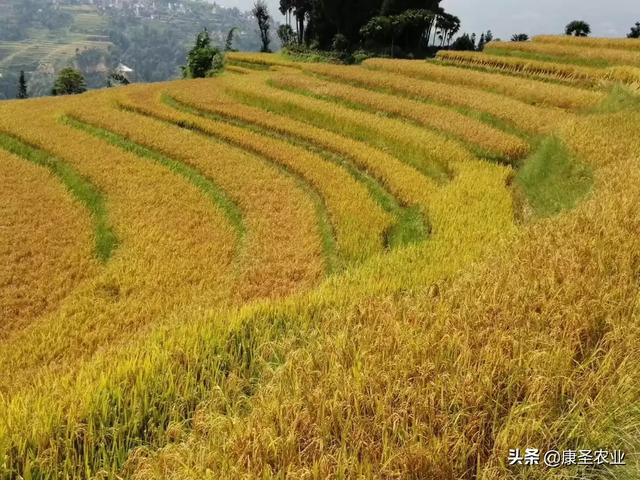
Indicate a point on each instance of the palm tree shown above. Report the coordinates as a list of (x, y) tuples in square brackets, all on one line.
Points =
[(578, 28)]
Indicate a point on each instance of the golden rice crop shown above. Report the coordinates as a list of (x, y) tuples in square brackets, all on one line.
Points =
[(237, 69), (627, 75), (604, 56), (282, 249), (579, 75), (535, 346), (176, 247), (428, 361), (477, 202), (455, 355), (529, 91), (147, 376), (358, 222), (259, 59), (526, 117), (402, 180), (43, 257), (525, 66), (590, 42), (427, 151), (470, 130), (473, 180)]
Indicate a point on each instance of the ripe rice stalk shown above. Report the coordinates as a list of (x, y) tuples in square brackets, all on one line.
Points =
[(630, 44), (525, 117), (358, 223), (482, 136), (573, 74), (44, 257), (596, 56), (529, 91)]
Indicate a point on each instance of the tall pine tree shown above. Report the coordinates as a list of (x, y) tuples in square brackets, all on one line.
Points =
[(22, 86)]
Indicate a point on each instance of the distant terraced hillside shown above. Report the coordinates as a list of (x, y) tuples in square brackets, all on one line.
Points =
[(402, 269), (95, 38), (43, 50)]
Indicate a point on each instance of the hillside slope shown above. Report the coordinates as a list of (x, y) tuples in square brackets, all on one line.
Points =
[(41, 37), (396, 270)]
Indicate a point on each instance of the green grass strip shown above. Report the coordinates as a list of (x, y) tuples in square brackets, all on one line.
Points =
[(81, 188), (552, 180), (620, 99), (327, 234), (410, 226), (214, 193)]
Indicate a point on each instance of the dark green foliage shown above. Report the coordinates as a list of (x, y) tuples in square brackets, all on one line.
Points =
[(22, 86), (635, 31), (484, 39), (21, 15), (394, 7), (300, 10), (154, 44), (261, 13), (286, 35), (340, 43), (340, 46), (154, 51), (203, 60), (319, 21), (69, 82), (407, 33), (228, 44), (464, 42), (578, 28), (520, 37), (446, 27)]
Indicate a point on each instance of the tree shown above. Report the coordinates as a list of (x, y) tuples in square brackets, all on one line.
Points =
[(464, 42), (22, 86), (300, 9), (484, 39), (286, 35), (578, 28), (481, 42), (447, 26), (261, 13), (635, 31), (406, 33), (203, 60), (69, 82), (488, 37), (228, 44), (520, 37)]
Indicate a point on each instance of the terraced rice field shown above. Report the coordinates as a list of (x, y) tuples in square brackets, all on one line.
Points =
[(27, 55), (59, 48), (294, 270)]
